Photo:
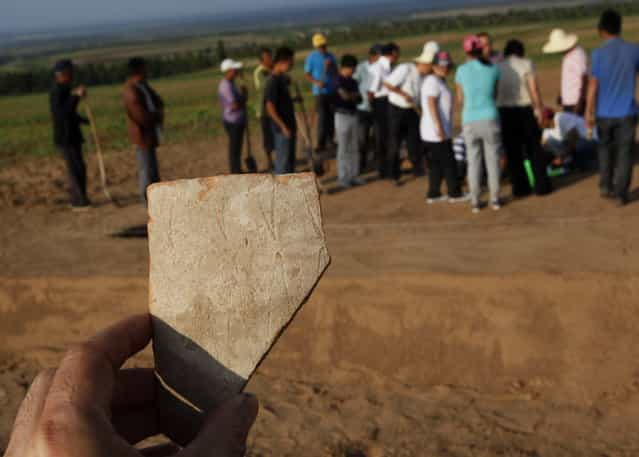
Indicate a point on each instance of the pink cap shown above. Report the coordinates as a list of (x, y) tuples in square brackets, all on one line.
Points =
[(472, 43)]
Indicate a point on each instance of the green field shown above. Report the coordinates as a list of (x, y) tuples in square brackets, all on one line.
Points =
[(191, 101)]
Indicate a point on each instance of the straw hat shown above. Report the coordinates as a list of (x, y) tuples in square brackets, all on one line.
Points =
[(428, 53), (560, 41), (319, 39)]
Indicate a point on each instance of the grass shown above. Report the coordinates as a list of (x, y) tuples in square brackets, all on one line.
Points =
[(193, 112)]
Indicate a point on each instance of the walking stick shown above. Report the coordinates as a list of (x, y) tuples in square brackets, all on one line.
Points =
[(315, 163), (98, 151), (251, 163)]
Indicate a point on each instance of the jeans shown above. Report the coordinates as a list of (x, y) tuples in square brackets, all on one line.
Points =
[(147, 171), (366, 120), (488, 135), (403, 124), (616, 154), (522, 140), (325, 109), (235, 133), (380, 111), (442, 165), (347, 147), (284, 153), (76, 171)]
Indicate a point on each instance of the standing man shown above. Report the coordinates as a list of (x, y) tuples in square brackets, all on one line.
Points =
[(612, 106), (574, 70), (404, 85), (365, 115), (260, 77), (320, 69), (378, 96), (145, 117), (63, 102), (489, 53), (233, 103), (281, 111)]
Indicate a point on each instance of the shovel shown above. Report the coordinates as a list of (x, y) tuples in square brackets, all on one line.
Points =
[(315, 163), (250, 162), (98, 152)]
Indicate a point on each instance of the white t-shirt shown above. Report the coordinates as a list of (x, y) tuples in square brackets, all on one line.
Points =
[(513, 83), (436, 87), (407, 78), (363, 76), (379, 72), (565, 122)]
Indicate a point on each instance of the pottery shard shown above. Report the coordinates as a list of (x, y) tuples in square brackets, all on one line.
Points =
[(232, 260)]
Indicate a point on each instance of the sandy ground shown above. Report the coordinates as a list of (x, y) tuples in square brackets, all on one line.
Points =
[(434, 331)]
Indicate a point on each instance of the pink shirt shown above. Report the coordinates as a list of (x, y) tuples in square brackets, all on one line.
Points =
[(573, 68)]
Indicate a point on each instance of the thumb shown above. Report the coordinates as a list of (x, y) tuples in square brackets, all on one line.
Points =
[(225, 432)]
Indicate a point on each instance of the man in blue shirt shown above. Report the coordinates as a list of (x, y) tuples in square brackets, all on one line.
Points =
[(321, 71), (612, 106)]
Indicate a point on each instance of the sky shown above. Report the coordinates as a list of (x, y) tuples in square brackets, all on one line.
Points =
[(51, 14)]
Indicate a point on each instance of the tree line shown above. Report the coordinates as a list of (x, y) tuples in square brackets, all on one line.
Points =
[(39, 79)]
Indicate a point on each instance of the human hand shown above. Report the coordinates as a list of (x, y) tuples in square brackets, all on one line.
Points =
[(90, 407), (80, 91), (286, 132)]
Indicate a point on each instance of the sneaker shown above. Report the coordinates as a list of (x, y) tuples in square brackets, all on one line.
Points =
[(343, 185), (358, 182), (80, 208), (460, 199), (476, 209), (441, 198), (622, 201), (496, 205)]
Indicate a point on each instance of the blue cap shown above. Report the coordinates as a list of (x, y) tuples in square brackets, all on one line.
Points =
[(62, 65)]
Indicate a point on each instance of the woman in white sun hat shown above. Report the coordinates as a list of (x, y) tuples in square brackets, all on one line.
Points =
[(574, 69), (233, 103)]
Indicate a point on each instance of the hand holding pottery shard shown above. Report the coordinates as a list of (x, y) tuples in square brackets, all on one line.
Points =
[(232, 260)]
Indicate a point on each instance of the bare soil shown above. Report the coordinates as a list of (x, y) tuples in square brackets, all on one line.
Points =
[(434, 332)]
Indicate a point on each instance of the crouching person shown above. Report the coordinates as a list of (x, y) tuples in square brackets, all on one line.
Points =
[(436, 130), (346, 124)]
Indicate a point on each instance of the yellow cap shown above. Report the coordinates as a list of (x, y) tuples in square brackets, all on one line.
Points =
[(319, 40)]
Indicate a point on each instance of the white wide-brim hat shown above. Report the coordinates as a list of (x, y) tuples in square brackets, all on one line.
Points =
[(428, 54), (560, 41), (230, 64)]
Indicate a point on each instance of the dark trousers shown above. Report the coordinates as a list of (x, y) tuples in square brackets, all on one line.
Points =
[(284, 153), (380, 112), (235, 133), (616, 154), (148, 172), (403, 124), (521, 138), (442, 166), (268, 141), (77, 175), (325, 109), (366, 122)]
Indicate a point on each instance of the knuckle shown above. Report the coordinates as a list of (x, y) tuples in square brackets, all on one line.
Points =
[(57, 430)]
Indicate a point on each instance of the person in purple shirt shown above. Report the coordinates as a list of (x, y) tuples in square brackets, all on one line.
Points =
[(612, 107), (233, 102)]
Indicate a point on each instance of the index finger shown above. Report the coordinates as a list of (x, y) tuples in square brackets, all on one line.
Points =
[(86, 376)]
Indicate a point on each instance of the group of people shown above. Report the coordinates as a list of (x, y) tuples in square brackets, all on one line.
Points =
[(379, 104), (144, 111)]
